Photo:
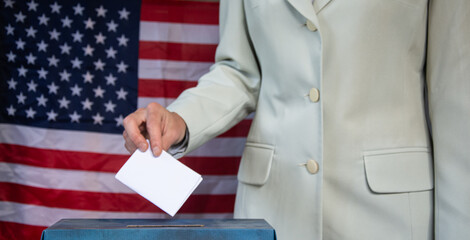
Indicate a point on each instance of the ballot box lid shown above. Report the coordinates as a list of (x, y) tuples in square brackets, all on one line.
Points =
[(123, 229)]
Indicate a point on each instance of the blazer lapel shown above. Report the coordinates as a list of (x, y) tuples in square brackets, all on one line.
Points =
[(305, 8), (318, 5)]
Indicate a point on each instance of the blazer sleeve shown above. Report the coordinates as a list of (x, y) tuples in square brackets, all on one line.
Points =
[(229, 92), (448, 79)]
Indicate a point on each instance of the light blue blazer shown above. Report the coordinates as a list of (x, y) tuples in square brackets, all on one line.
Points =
[(340, 146)]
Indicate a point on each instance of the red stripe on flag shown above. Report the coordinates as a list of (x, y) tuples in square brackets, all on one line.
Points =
[(61, 159), (105, 163), (99, 201), (163, 88), (11, 230), (180, 11), (177, 51), (239, 130)]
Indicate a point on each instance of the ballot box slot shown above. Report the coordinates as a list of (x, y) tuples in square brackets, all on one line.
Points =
[(164, 226)]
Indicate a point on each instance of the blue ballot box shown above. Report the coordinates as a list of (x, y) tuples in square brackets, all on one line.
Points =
[(155, 229)]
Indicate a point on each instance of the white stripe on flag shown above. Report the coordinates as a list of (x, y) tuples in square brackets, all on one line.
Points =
[(46, 216), (179, 32), (62, 139), (78, 180), (102, 143), (172, 70)]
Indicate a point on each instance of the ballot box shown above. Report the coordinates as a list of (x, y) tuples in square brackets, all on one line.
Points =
[(155, 229)]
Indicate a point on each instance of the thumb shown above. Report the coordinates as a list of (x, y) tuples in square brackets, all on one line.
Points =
[(155, 125)]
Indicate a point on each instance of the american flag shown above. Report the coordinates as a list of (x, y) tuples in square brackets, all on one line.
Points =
[(70, 71)]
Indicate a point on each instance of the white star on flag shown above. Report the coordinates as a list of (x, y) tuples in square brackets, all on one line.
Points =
[(20, 44), (65, 76), (78, 9), (112, 26), (20, 17), (30, 112), (119, 120), (11, 110), (88, 77), (99, 65), (53, 88), (42, 73), (110, 79), (98, 119), (42, 46), (121, 94), (100, 38), (43, 19), (9, 3), (55, 8), (64, 103), (65, 48), (22, 71), (123, 40), (88, 50), (11, 56), (89, 24), (53, 61), (32, 6), (122, 67), (101, 12), (111, 53), (86, 105), (76, 63), (77, 36), (21, 98), (31, 32), (66, 22), (51, 115), (76, 90), (109, 106), (12, 84), (9, 29), (42, 100), (99, 92), (54, 34), (124, 14), (32, 86), (30, 58), (75, 117)]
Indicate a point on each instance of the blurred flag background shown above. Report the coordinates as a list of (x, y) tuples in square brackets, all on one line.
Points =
[(70, 71)]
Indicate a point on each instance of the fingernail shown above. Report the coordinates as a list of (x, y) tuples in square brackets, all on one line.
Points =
[(156, 151), (142, 147)]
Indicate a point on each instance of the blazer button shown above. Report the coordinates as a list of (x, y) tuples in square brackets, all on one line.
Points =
[(312, 166), (314, 95), (311, 26)]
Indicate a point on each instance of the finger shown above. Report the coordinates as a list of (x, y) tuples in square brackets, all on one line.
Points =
[(155, 113), (143, 131), (128, 143), (130, 149), (131, 125)]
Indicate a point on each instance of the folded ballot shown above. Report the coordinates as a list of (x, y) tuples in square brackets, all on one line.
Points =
[(163, 180)]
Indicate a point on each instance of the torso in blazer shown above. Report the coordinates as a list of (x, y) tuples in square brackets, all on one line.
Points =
[(365, 127)]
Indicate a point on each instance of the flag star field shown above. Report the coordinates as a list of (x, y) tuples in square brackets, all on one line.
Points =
[(69, 66)]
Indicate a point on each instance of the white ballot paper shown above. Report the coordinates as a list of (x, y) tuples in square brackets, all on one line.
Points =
[(164, 181)]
